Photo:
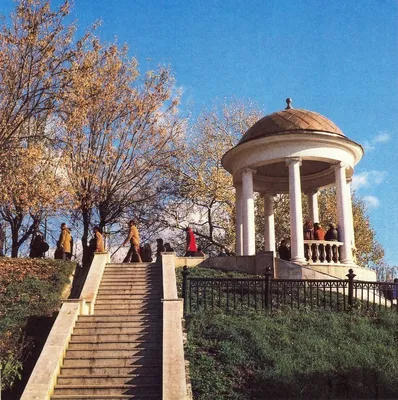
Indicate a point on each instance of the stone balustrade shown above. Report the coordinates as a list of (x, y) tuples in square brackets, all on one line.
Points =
[(322, 251)]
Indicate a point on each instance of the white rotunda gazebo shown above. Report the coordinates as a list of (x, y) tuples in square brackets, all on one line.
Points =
[(292, 151)]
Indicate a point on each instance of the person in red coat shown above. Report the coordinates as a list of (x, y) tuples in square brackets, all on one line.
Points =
[(191, 248)]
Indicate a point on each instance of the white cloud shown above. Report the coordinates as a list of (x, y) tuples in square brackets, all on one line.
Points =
[(368, 146), (380, 138), (368, 179), (371, 201)]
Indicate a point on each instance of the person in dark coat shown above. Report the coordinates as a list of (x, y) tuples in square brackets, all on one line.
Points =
[(2, 240), (332, 235), (159, 250), (284, 251), (146, 253), (168, 248), (38, 245)]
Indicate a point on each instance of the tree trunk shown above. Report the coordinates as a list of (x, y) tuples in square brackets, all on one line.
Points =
[(86, 250), (14, 241)]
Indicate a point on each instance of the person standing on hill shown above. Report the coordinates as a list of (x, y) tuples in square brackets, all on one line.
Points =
[(134, 239), (2, 240), (65, 242), (38, 245), (191, 248), (99, 240)]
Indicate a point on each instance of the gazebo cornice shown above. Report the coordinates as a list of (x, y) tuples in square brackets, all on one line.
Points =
[(327, 147)]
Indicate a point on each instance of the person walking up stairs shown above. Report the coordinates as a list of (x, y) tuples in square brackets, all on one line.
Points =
[(117, 352)]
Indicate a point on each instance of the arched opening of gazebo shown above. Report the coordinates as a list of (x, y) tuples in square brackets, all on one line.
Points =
[(293, 151)]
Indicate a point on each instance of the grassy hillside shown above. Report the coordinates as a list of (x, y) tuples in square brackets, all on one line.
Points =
[(28, 288), (292, 354)]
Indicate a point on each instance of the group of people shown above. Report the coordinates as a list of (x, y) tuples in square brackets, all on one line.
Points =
[(136, 252), (314, 232)]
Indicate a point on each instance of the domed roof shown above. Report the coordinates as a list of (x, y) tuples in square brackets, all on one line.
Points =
[(290, 120)]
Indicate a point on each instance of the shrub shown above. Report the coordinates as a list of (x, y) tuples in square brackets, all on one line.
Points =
[(28, 287)]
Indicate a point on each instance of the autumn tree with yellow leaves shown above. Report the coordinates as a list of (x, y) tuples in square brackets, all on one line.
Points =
[(122, 135), (35, 51)]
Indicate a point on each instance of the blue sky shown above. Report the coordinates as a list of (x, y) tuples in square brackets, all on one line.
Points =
[(338, 58)]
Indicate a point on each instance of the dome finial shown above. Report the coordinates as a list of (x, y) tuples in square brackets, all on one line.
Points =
[(289, 103)]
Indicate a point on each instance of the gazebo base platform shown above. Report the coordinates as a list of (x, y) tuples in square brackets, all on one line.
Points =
[(256, 265)]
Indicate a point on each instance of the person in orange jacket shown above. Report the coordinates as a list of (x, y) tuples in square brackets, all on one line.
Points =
[(65, 242), (99, 240), (134, 239)]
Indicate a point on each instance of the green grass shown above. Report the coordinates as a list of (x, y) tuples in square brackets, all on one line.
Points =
[(293, 354), (290, 354), (28, 288)]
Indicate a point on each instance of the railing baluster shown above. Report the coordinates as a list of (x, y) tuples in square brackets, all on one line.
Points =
[(248, 294), (205, 294), (228, 296), (241, 295), (234, 287), (291, 295), (255, 295), (212, 296), (219, 294), (305, 294)]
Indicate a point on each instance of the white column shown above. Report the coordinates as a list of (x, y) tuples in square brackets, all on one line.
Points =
[(313, 206), (296, 212), (249, 246), (350, 214), (343, 210), (238, 219), (269, 224)]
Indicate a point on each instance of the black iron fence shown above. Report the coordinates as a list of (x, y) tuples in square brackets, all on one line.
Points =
[(265, 293)]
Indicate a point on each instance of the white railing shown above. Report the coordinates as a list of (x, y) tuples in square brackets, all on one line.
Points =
[(322, 251)]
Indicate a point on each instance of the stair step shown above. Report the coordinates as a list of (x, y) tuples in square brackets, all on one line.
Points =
[(126, 300), (114, 371), (116, 318), (107, 389), (115, 324), (106, 397), (128, 306), (132, 272), (115, 293), (136, 330), (113, 353), (109, 379), (127, 312), (132, 284), (113, 362), (115, 346), (104, 338)]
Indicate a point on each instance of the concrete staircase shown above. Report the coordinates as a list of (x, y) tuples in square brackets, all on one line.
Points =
[(117, 352)]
